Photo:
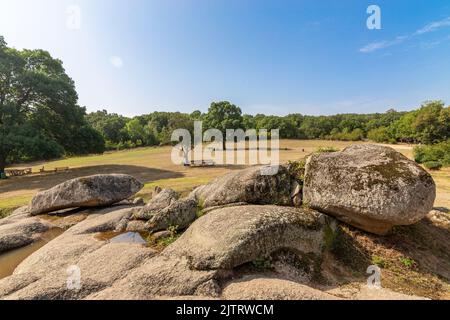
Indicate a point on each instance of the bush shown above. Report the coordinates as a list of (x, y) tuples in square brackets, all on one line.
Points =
[(380, 135), (434, 153), (433, 165)]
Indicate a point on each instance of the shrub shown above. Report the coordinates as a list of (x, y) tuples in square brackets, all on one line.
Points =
[(380, 135), (433, 165), (439, 152)]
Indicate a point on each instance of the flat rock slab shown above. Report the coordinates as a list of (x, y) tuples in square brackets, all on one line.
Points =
[(92, 191), (229, 237), (371, 187)]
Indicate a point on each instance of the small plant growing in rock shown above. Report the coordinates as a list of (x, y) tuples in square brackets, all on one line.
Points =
[(378, 261), (200, 208), (4, 212), (174, 235), (408, 262)]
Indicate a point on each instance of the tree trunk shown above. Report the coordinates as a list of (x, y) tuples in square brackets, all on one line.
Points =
[(2, 164)]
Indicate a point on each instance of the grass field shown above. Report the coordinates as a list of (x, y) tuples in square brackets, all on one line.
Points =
[(154, 167)]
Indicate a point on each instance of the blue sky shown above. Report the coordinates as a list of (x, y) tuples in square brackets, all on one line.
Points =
[(274, 57)]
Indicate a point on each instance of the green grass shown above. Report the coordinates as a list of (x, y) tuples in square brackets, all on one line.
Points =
[(15, 202)]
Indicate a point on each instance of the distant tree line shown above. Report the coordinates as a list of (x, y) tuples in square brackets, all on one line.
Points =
[(428, 125)]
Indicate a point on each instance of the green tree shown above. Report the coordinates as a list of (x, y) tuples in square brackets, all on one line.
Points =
[(38, 105), (380, 134), (110, 125), (222, 116)]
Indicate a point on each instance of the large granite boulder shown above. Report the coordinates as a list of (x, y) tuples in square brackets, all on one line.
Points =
[(368, 186), (92, 191), (229, 237), (255, 185)]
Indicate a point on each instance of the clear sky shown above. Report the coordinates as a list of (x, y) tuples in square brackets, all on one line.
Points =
[(274, 57)]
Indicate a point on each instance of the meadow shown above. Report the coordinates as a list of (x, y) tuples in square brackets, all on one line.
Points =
[(153, 166)]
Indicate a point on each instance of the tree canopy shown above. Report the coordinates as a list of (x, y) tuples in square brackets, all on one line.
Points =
[(39, 115)]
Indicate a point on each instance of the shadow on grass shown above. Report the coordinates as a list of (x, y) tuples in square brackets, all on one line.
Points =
[(47, 180)]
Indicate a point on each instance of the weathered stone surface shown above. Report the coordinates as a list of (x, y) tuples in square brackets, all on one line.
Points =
[(157, 277), (250, 185), (161, 235), (368, 186), (229, 237), (160, 201), (44, 274), (180, 213), (99, 268), (440, 218), (367, 293), (92, 191), (136, 226), (109, 219), (256, 287), (19, 233), (139, 202), (16, 215), (296, 194)]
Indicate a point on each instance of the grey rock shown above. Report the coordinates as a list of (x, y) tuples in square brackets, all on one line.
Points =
[(17, 215), (368, 186), (161, 235), (138, 202), (110, 219), (250, 185), (160, 201), (156, 277), (21, 232), (296, 194), (92, 191), (229, 237), (256, 287), (180, 213), (44, 274), (136, 226), (440, 218)]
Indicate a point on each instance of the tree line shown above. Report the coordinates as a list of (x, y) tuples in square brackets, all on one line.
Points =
[(429, 124), (40, 118)]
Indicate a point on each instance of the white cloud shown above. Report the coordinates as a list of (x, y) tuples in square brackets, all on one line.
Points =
[(382, 44), (433, 26), (116, 61)]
